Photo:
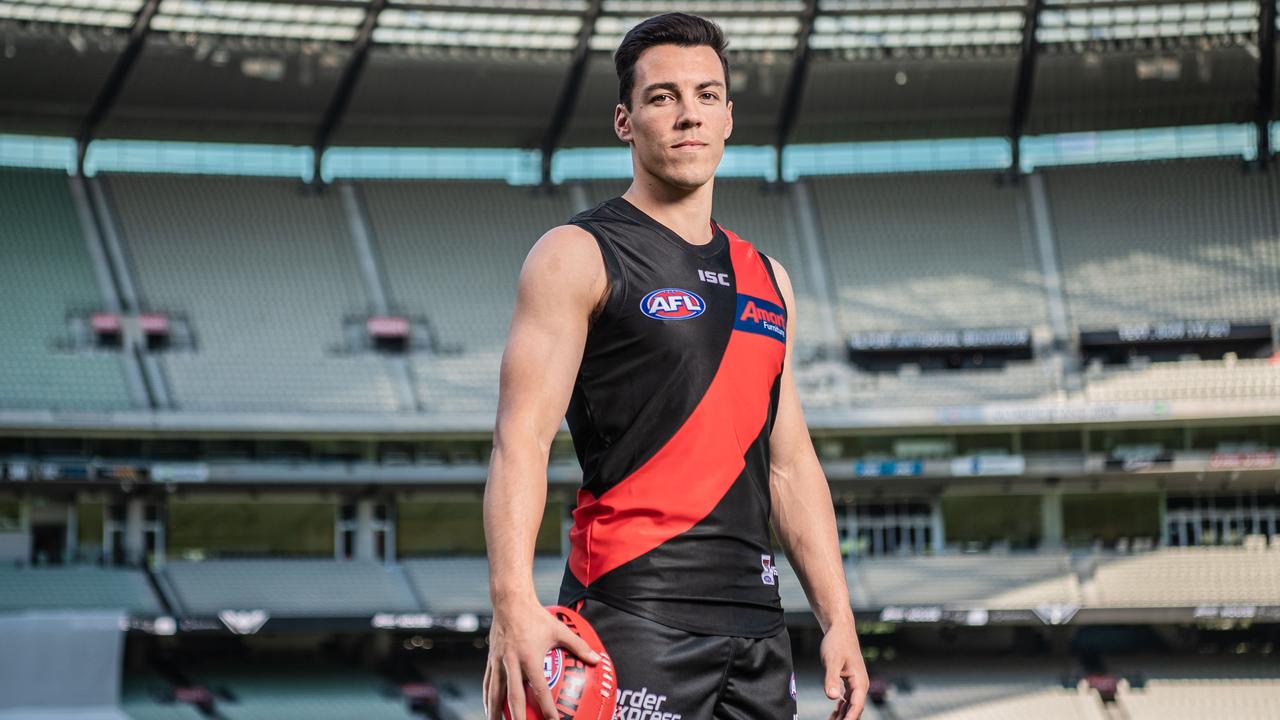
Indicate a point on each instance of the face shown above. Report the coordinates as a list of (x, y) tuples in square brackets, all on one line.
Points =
[(680, 115)]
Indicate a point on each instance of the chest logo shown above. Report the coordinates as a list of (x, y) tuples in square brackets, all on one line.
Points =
[(755, 315), (672, 304)]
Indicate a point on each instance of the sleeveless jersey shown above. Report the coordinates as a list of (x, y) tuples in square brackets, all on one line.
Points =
[(670, 416)]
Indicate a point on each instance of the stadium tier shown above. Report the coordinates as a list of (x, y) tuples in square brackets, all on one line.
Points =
[(993, 581), (1186, 577), (1161, 241), (76, 588), (45, 278), (928, 252), (271, 285), (287, 588), (461, 584), (265, 275)]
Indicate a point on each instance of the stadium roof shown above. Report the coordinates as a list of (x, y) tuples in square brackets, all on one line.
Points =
[(538, 74)]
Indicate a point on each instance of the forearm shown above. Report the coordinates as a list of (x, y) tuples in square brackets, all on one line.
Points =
[(514, 501), (804, 519)]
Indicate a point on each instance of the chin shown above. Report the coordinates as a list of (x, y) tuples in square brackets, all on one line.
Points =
[(688, 178)]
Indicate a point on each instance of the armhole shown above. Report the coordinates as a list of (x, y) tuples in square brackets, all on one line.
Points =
[(768, 268), (615, 277)]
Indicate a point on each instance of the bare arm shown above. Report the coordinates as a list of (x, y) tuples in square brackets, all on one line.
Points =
[(804, 518), (561, 282)]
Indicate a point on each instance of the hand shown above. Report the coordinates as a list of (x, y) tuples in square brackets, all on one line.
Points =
[(518, 642), (846, 674)]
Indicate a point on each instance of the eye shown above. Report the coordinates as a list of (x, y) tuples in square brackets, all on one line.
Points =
[(660, 98), (710, 96)]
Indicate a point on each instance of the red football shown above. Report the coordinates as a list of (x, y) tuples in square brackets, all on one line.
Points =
[(580, 691)]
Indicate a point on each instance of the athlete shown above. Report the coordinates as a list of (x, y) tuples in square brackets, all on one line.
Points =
[(665, 341)]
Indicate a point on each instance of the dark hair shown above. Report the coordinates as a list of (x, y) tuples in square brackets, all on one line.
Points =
[(674, 28)]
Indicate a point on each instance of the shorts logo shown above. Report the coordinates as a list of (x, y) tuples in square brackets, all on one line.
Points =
[(793, 686), (672, 304), (770, 574), (553, 666), (760, 317), (642, 705)]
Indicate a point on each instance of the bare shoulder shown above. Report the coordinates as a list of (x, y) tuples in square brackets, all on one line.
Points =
[(565, 262), (784, 281)]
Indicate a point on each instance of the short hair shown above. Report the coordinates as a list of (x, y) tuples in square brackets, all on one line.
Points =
[(674, 28)]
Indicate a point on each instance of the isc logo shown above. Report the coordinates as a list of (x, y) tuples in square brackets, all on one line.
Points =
[(672, 304)]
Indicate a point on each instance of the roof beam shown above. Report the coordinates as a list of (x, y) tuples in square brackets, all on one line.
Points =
[(1266, 79), (571, 89), (346, 87), (795, 84), (1030, 50), (111, 87)]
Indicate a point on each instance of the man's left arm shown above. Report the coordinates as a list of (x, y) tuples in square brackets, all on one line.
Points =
[(804, 518)]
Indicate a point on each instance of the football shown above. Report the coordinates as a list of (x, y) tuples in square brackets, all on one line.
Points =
[(580, 691)]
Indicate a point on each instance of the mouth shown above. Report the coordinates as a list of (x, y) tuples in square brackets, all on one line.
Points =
[(689, 145)]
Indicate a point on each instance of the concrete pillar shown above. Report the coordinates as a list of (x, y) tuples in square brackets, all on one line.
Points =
[(135, 518), (937, 528), (364, 529), (1051, 520)]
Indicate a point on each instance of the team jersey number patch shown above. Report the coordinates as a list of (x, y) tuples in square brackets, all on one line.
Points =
[(761, 317), (672, 304)]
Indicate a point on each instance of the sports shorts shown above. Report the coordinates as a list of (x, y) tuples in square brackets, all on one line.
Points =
[(669, 674)]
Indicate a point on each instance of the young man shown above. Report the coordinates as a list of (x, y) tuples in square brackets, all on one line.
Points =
[(664, 339)]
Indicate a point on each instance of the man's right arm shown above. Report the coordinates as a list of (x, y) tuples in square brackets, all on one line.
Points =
[(561, 283)]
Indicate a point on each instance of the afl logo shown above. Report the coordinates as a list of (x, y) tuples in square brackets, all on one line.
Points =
[(672, 304), (553, 666)]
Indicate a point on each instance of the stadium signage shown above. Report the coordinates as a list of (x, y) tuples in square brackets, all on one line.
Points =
[(1261, 459), (988, 465), (1176, 331), (941, 339), (888, 468), (1056, 613), (180, 472), (244, 622), (923, 614)]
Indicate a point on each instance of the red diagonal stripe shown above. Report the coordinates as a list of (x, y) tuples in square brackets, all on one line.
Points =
[(684, 481)]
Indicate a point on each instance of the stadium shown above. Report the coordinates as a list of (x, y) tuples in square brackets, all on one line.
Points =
[(259, 262)]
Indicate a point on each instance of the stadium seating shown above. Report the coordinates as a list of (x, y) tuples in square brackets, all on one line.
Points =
[(288, 588), (265, 276), (1175, 240), (928, 251), (269, 691), (1185, 577), (1235, 699), (46, 275), (984, 580), (76, 588), (1246, 379), (461, 584)]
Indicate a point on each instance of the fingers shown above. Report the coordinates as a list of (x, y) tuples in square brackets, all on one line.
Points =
[(495, 690), (515, 689), (541, 693), (857, 698), (566, 638), (833, 682)]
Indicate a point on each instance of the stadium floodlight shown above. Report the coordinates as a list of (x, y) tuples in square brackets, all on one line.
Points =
[(1065, 21), (940, 29), (749, 33), (92, 13), (402, 26), (260, 19)]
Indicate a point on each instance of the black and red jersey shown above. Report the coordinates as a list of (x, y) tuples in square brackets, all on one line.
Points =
[(670, 416)]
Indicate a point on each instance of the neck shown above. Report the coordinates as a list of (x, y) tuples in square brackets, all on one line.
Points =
[(686, 212)]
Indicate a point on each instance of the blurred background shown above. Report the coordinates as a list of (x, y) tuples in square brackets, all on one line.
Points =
[(258, 262)]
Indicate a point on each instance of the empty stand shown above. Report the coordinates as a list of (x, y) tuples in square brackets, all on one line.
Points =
[(265, 274), (47, 274), (985, 580), (1246, 379), (269, 691), (461, 584), (290, 588), (1184, 577), (928, 251), (78, 588), (1175, 240)]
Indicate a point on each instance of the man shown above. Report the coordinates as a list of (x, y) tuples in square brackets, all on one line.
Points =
[(663, 338)]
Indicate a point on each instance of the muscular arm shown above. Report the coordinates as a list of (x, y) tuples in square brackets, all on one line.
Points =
[(561, 282), (804, 519)]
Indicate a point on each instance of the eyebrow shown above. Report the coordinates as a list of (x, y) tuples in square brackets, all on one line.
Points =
[(676, 88)]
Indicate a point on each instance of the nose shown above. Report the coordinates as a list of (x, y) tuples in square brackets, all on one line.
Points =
[(690, 114)]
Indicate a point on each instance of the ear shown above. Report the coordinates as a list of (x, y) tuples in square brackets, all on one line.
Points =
[(622, 123), (728, 126)]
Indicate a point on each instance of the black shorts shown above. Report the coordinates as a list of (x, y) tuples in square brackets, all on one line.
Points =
[(669, 674)]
